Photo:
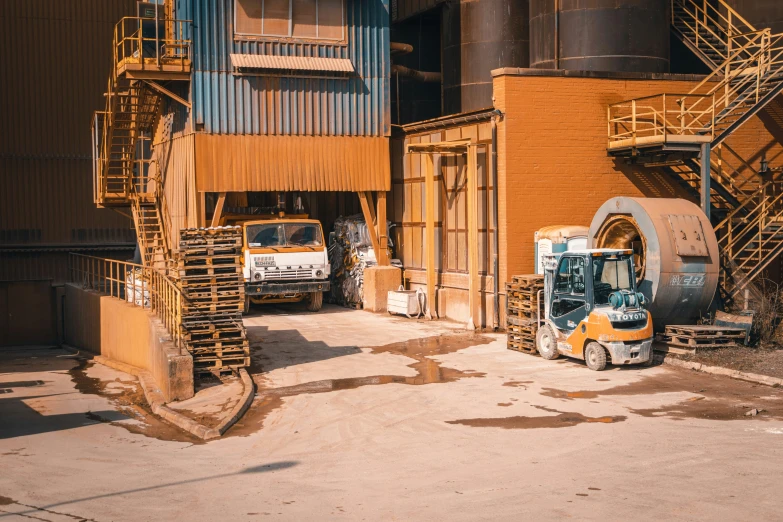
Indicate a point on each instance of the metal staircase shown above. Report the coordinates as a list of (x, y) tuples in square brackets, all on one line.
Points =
[(122, 176), (668, 131)]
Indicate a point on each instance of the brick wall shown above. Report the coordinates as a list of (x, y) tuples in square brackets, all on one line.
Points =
[(553, 168)]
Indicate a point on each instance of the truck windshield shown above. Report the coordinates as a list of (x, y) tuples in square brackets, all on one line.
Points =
[(609, 275), (284, 234)]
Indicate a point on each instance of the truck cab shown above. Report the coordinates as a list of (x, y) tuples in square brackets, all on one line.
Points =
[(285, 260), (592, 309)]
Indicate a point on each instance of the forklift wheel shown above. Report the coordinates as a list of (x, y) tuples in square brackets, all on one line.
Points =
[(595, 357), (547, 343), (247, 305)]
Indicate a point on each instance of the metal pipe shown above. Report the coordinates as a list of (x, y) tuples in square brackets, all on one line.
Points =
[(400, 48), (422, 76), (495, 240), (705, 179), (557, 34), (157, 40)]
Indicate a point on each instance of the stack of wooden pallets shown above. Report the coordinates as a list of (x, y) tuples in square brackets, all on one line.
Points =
[(690, 339), (210, 276), (522, 295)]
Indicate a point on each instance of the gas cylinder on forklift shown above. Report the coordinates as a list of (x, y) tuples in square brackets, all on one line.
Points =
[(593, 311)]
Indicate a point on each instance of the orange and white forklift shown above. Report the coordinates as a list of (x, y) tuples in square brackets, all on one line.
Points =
[(592, 309)]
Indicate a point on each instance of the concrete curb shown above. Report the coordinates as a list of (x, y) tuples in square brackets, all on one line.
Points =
[(717, 370), (244, 403), (155, 399)]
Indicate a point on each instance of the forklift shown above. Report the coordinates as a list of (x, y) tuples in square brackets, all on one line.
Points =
[(592, 309)]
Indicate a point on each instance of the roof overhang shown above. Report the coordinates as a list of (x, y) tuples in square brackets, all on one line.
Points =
[(294, 65)]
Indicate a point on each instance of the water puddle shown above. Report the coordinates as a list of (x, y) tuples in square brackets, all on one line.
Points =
[(428, 371), (130, 402), (563, 419), (715, 398)]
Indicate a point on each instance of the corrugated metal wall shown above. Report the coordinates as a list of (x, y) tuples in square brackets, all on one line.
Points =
[(54, 73), (228, 104), (176, 158)]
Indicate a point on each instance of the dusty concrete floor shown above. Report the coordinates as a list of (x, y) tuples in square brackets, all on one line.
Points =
[(367, 417)]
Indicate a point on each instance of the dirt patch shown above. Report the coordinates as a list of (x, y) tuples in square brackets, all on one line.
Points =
[(428, 371), (517, 384), (5, 501), (563, 419), (131, 402), (715, 397), (764, 361)]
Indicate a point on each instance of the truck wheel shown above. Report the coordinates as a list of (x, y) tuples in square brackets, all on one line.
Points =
[(546, 342), (247, 305), (314, 301), (595, 357)]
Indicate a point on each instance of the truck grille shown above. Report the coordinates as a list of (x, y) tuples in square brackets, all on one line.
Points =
[(273, 275)]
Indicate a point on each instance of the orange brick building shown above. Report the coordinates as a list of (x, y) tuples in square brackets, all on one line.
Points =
[(552, 169)]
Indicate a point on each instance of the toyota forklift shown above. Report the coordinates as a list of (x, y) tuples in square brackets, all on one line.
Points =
[(592, 309)]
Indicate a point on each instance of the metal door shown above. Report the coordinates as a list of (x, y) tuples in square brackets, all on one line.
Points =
[(569, 293)]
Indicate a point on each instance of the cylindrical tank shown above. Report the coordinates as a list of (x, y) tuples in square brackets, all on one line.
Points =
[(479, 36), (761, 14), (675, 253), (556, 239), (600, 35)]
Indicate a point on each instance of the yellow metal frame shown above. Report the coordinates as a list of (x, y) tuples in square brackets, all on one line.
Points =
[(109, 277), (457, 147)]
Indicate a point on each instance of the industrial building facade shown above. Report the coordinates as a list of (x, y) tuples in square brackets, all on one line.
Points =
[(345, 103)]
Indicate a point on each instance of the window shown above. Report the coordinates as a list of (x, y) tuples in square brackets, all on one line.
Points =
[(610, 275), (570, 278), (305, 19), (284, 235)]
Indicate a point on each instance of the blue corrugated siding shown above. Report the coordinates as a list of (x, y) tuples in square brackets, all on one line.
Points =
[(229, 104)]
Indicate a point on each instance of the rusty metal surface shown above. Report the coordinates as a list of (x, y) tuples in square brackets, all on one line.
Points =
[(600, 35), (294, 63), (54, 72), (49, 201), (288, 105), (176, 158), (283, 163), (28, 313), (479, 36), (680, 288), (761, 14), (53, 76)]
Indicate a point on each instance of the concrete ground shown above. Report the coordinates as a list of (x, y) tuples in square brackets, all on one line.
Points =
[(368, 417)]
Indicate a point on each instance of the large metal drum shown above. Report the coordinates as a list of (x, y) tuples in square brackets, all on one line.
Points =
[(762, 14), (479, 36), (675, 253), (600, 35)]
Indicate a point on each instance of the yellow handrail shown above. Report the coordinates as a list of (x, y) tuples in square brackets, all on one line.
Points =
[(140, 286)]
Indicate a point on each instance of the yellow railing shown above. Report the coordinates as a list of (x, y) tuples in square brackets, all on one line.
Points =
[(708, 22), (144, 42), (660, 115), (135, 284), (738, 81)]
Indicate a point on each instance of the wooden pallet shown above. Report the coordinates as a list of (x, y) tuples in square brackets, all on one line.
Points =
[(213, 290), (198, 261), (522, 295), (703, 337)]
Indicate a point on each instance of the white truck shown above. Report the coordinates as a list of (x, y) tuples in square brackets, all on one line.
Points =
[(285, 260)]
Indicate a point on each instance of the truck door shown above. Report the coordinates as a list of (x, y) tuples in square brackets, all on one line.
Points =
[(568, 299)]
